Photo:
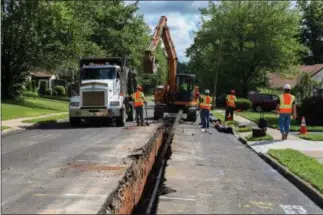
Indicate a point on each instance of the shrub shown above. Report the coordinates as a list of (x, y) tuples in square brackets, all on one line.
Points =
[(243, 104), (48, 92), (312, 109), (60, 90), (54, 93), (42, 88)]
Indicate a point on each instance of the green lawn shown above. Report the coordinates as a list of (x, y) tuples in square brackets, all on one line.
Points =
[(149, 97), (244, 129), (4, 127), (313, 137), (267, 137), (220, 116), (272, 119), (304, 166), (31, 107), (47, 119)]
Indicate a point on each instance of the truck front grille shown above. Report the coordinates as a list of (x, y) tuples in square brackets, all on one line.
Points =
[(93, 98)]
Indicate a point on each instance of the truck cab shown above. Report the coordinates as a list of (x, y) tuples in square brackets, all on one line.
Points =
[(101, 93)]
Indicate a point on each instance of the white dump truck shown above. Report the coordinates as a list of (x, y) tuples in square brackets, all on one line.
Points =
[(105, 89)]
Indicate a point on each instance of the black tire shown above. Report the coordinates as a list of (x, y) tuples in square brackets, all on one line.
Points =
[(191, 116), (121, 120), (158, 113), (75, 121)]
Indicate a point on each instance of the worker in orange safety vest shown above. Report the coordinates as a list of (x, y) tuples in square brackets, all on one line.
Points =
[(205, 107), (285, 107), (231, 100), (139, 101)]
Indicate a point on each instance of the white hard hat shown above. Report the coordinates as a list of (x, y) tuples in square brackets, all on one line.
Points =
[(207, 91), (287, 87)]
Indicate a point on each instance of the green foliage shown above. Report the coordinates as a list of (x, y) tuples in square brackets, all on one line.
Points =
[(52, 35), (312, 30), (244, 39), (304, 166), (268, 91), (42, 88), (48, 92), (243, 104), (60, 90), (304, 88)]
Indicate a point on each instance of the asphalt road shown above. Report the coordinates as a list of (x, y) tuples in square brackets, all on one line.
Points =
[(215, 173), (58, 169)]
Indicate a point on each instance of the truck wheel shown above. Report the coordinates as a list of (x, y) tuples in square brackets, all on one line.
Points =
[(75, 121), (191, 116), (121, 120)]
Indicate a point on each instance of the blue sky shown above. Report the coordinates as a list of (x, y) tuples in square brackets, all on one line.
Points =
[(183, 19)]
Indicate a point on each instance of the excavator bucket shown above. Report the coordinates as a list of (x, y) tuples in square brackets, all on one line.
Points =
[(150, 65)]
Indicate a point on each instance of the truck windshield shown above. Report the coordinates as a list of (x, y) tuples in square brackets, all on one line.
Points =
[(98, 73)]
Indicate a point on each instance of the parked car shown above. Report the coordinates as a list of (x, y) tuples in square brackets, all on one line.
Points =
[(263, 102)]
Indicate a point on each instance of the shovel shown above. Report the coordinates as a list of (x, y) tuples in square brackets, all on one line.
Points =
[(146, 115)]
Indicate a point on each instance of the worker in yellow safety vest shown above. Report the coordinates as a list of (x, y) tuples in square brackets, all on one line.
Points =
[(231, 100), (285, 107), (139, 101), (205, 106)]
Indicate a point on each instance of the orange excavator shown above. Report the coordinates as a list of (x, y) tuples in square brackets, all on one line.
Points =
[(180, 91)]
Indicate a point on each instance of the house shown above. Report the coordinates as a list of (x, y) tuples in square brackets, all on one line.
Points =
[(277, 81), (43, 76)]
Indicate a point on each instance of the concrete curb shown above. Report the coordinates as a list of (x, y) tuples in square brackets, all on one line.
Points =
[(33, 126), (302, 185)]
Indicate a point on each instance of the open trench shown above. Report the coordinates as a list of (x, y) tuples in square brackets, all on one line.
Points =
[(138, 191)]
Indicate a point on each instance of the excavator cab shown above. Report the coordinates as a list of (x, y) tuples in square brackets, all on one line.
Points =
[(185, 87)]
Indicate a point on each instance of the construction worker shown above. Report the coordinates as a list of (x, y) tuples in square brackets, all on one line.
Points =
[(285, 107), (205, 106), (139, 101), (231, 100)]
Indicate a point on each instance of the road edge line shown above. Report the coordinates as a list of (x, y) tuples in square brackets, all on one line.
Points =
[(311, 192)]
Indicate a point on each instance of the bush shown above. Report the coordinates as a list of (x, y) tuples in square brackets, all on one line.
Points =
[(54, 93), (312, 109), (60, 90), (48, 92), (42, 88), (243, 104)]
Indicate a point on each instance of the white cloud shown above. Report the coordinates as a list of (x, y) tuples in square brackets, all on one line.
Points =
[(183, 18)]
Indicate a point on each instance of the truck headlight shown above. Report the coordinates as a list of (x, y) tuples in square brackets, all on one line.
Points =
[(75, 104), (115, 103)]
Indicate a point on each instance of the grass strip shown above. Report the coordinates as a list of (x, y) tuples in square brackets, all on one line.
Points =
[(304, 166)]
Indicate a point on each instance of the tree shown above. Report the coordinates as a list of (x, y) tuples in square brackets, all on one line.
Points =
[(245, 39), (312, 30), (52, 35)]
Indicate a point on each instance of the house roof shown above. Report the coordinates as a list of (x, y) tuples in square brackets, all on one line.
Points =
[(40, 74), (311, 69), (278, 81)]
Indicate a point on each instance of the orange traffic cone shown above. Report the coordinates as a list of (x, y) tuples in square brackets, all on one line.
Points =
[(303, 129)]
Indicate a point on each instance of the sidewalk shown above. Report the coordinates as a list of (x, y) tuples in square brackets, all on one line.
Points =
[(18, 124), (310, 148)]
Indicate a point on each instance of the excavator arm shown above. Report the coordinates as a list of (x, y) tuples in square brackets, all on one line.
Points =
[(150, 63)]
